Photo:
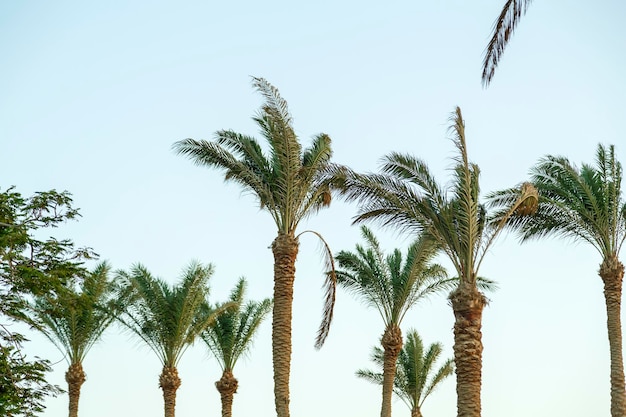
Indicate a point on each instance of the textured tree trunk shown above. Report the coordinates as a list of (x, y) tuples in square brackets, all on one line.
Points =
[(392, 344), (75, 377), (227, 387), (285, 249), (416, 412), (468, 304), (612, 274), (169, 382)]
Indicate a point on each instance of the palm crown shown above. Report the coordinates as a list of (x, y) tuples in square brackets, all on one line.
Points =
[(74, 320), (167, 319), (407, 196), (390, 283), (580, 203), (230, 336), (415, 376), (289, 182)]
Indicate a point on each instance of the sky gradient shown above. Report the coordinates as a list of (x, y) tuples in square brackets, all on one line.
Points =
[(95, 94)]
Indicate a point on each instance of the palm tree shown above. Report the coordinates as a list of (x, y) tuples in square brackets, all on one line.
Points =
[(168, 319), (414, 380), (290, 183), (230, 336), (392, 286), (584, 204), (503, 30), (406, 196), (74, 320)]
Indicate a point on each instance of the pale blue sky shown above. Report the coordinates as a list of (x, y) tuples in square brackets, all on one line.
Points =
[(94, 95)]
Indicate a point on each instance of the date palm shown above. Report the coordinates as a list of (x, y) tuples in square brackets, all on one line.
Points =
[(584, 204), (392, 285), (230, 336), (414, 379), (167, 318), (503, 30), (291, 184), (73, 320), (406, 196)]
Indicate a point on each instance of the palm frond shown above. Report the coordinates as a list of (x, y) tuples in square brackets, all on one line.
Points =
[(503, 30), (330, 289)]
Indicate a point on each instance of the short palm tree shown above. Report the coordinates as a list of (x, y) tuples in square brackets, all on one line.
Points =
[(74, 320), (503, 30), (230, 336), (584, 204), (392, 285), (167, 318), (407, 197), (414, 380), (291, 184)]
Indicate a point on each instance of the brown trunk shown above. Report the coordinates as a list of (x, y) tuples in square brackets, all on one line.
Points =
[(392, 345), (416, 412), (227, 387), (75, 377), (285, 249), (612, 274), (467, 304), (169, 382)]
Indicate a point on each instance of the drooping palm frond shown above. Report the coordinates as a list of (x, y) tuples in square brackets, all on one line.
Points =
[(231, 334), (74, 319), (330, 289), (503, 30), (167, 319)]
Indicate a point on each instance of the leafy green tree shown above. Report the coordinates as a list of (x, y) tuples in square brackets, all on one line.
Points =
[(74, 320), (230, 336), (586, 205), (392, 285), (291, 184), (167, 318), (414, 380), (23, 386), (407, 197), (30, 266), (503, 30)]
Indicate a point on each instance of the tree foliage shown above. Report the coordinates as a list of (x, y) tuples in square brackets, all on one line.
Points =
[(31, 266)]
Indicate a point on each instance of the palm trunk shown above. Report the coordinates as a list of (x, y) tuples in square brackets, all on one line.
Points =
[(227, 387), (285, 249), (75, 377), (392, 344), (467, 304), (416, 412), (169, 382), (612, 274)]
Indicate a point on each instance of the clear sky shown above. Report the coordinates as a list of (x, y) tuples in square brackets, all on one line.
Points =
[(93, 94)]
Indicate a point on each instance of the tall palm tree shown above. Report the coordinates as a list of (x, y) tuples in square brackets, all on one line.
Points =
[(291, 184), (503, 30), (167, 318), (414, 380), (74, 320), (392, 285), (407, 197), (230, 336), (584, 204)]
